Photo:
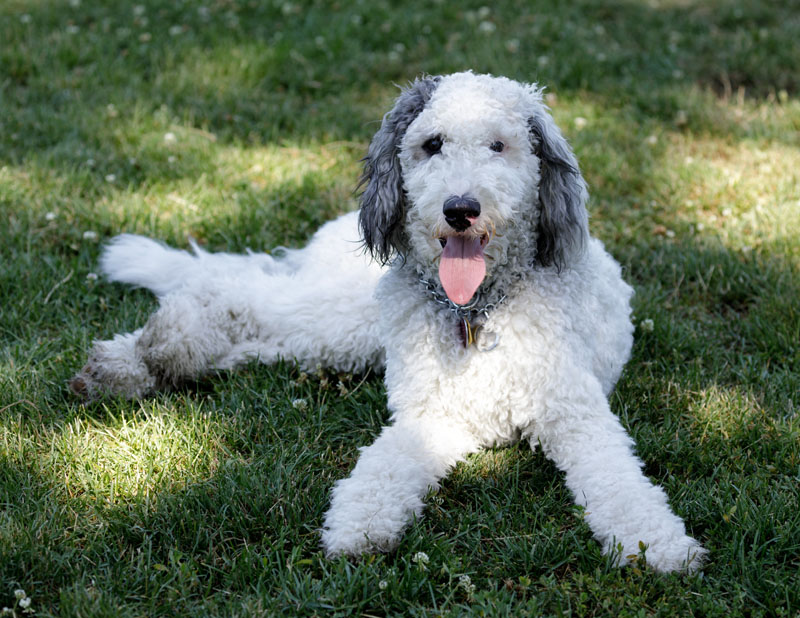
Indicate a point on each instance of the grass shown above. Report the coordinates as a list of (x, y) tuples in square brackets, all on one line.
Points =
[(241, 125)]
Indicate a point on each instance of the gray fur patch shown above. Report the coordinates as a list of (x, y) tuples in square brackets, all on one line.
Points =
[(563, 223), (383, 200)]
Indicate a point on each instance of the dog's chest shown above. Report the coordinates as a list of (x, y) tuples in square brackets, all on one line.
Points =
[(494, 392)]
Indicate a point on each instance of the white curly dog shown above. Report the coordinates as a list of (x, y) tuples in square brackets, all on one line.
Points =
[(495, 315)]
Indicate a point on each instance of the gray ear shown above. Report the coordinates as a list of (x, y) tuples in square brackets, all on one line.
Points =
[(383, 198), (563, 222)]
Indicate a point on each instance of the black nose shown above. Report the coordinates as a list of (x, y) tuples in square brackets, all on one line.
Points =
[(458, 209)]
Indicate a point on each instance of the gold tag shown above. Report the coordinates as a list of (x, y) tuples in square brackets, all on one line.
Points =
[(485, 341), (467, 332)]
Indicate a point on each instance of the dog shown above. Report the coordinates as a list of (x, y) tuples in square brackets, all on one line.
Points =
[(469, 275)]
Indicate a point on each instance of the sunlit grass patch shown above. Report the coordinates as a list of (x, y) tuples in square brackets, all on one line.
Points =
[(726, 411), (120, 457), (134, 456)]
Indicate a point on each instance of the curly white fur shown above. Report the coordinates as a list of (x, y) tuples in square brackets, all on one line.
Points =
[(551, 298)]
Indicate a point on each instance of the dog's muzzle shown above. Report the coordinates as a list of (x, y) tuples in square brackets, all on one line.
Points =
[(460, 211)]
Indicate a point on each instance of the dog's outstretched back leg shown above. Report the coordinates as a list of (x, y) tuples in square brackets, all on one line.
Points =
[(313, 305)]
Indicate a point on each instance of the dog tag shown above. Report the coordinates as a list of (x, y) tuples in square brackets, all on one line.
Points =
[(466, 332), (484, 340)]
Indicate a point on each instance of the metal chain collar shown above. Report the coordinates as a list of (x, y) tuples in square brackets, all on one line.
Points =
[(471, 317)]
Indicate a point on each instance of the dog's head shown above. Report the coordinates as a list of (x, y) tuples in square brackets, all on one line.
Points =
[(470, 172)]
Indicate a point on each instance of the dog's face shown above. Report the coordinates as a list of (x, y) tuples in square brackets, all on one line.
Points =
[(467, 172)]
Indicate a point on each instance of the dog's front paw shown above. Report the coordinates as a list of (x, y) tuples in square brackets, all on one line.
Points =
[(348, 540), (675, 553), (681, 554), (363, 520)]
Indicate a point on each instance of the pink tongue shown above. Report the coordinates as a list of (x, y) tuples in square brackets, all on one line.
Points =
[(461, 268)]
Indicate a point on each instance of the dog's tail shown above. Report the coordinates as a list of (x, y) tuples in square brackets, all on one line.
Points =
[(147, 263)]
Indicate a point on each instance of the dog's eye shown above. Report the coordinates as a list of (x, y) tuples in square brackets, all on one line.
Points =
[(497, 146), (433, 145)]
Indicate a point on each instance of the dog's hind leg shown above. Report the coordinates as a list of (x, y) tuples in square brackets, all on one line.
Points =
[(114, 367), (180, 341), (370, 509), (313, 305), (221, 324)]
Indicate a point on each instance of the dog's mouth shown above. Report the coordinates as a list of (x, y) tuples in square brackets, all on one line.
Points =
[(462, 266)]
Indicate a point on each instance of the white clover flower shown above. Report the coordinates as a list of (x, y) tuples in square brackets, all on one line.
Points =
[(74, 3), (670, 233), (144, 37), (383, 584), (90, 235), (170, 138), (25, 18), (19, 593), (50, 216), (651, 140), (175, 30), (486, 27), (421, 558), (91, 277), (543, 61), (647, 325), (466, 583), (300, 404), (25, 603), (111, 177), (139, 10), (512, 46), (72, 29), (580, 122)]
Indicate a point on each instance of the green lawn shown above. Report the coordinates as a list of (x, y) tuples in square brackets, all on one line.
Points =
[(241, 124)]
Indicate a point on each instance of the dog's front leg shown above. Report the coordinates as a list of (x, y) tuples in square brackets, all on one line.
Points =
[(586, 440), (385, 491)]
